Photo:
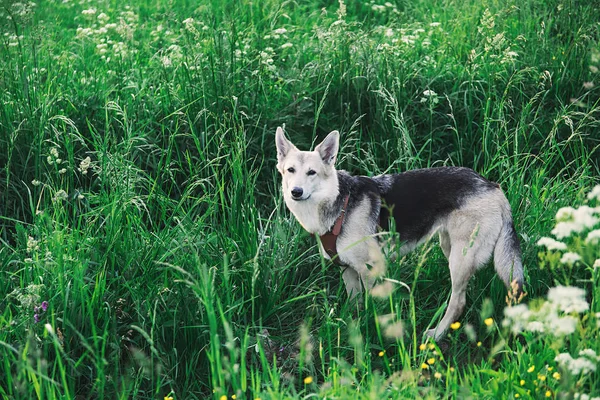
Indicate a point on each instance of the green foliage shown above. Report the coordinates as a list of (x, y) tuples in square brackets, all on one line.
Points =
[(139, 196)]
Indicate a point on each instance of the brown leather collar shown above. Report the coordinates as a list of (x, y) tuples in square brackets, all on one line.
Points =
[(329, 239)]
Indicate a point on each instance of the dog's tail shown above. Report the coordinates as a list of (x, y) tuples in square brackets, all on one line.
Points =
[(507, 256)]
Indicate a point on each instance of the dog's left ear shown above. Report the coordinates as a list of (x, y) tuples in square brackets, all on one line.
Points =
[(329, 147)]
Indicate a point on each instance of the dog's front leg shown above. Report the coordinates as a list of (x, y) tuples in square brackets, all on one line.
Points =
[(369, 264), (351, 281)]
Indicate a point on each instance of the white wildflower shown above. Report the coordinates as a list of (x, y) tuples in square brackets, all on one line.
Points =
[(564, 213), (54, 152), (102, 17), (84, 165), (35, 182), (535, 326), (595, 193), (570, 258), (32, 244), (90, 11), (60, 195), (434, 24), (593, 237), (568, 299), (577, 365), (280, 31), (589, 354), (596, 263), (429, 93), (286, 45), (389, 32), (83, 32), (574, 220), (562, 326), (516, 317), (551, 244)]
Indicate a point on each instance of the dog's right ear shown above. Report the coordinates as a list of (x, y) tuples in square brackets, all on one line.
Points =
[(284, 146)]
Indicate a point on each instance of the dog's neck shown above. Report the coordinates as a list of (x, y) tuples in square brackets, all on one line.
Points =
[(319, 216)]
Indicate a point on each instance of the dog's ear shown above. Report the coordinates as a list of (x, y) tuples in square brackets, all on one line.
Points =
[(284, 146), (329, 147)]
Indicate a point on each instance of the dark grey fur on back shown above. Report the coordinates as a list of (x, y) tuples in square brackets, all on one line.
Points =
[(416, 199)]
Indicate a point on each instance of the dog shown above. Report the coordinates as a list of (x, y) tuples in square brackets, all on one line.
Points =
[(470, 214)]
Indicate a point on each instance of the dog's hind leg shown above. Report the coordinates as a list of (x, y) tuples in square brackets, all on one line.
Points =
[(462, 267), (445, 243)]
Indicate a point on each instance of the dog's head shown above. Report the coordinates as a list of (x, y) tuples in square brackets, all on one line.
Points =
[(307, 174)]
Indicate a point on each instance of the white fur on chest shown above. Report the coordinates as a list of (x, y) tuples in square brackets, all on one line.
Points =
[(307, 214)]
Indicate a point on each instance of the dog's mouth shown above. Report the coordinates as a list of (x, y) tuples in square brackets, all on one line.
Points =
[(301, 198)]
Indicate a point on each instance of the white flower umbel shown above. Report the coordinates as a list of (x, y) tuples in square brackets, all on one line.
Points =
[(595, 193), (568, 299), (550, 317), (572, 220), (516, 317), (575, 365), (593, 237), (570, 258), (551, 244)]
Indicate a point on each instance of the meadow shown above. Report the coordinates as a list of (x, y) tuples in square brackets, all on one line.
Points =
[(145, 249)]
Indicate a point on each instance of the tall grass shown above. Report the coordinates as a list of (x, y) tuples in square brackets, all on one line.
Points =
[(139, 196)]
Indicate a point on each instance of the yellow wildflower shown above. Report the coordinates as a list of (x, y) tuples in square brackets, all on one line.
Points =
[(168, 398), (431, 361), (488, 321), (422, 346), (308, 380), (556, 375), (478, 344), (424, 366), (531, 369), (517, 395), (522, 383), (548, 393), (437, 375), (542, 377), (381, 353), (223, 397), (455, 325), (431, 346)]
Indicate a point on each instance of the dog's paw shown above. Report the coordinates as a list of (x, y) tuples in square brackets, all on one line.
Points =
[(430, 333), (434, 334)]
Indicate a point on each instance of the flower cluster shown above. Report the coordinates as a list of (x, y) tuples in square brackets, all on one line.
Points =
[(110, 38), (585, 363), (554, 316), (578, 234), (39, 311)]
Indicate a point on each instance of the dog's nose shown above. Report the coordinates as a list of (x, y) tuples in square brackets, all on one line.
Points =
[(297, 192)]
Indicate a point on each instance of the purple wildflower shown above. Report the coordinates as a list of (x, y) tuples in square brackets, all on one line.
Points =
[(36, 318), (44, 305)]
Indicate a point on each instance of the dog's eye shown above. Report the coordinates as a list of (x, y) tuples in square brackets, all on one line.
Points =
[(311, 172), (291, 170)]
